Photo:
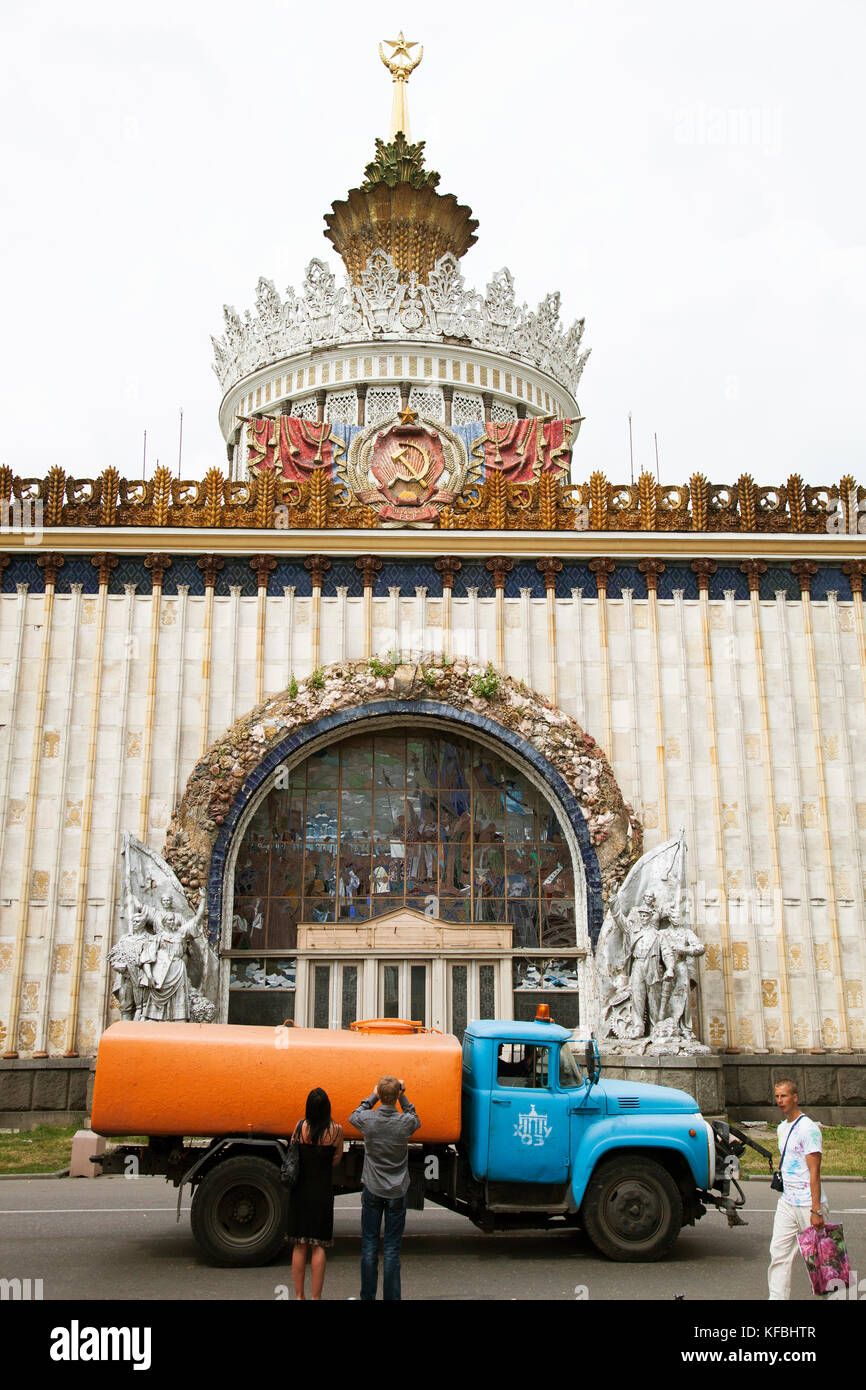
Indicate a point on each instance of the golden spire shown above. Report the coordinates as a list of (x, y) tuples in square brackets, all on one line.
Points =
[(400, 64)]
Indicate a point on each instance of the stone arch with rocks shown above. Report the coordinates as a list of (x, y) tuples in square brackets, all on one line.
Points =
[(341, 696)]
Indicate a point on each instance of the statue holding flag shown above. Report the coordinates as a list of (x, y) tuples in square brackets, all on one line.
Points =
[(645, 958)]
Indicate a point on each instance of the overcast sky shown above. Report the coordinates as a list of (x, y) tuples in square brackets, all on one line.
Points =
[(689, 176)]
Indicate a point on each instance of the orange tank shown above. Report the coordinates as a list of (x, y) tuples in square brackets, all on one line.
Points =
[(205, 1079)]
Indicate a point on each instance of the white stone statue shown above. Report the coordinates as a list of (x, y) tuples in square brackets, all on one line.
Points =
[(645, 958), (165, 968)]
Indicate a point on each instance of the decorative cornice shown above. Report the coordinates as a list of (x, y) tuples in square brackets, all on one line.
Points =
[(387, 305), (266, 503)]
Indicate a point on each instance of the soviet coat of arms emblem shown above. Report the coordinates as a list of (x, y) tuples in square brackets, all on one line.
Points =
[(407, 469)]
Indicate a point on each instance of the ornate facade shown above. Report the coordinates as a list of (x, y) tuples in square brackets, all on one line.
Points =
[(407, 771)]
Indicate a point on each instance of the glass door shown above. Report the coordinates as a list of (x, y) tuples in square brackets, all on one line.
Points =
[(471, 994), (404, 990), (333, 993)]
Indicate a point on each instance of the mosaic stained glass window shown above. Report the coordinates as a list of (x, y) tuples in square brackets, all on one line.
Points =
[(404, 819)]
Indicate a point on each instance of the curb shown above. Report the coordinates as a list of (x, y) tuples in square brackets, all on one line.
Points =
[(25, 1177), (825, 1177)]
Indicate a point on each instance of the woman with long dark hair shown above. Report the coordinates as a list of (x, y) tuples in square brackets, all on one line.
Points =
[(311, 1215)]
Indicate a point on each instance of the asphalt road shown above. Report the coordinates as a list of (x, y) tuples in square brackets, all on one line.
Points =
[(113, 1238)]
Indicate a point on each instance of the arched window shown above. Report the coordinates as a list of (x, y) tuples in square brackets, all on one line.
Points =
[(403, 819)]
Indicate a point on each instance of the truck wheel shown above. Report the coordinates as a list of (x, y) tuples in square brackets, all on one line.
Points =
[(633, 1209), (240, 1212)]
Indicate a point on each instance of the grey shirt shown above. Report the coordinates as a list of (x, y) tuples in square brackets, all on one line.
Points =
[(386, 1144)]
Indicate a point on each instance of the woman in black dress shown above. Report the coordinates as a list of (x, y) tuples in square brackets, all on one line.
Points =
[(311, 1214)]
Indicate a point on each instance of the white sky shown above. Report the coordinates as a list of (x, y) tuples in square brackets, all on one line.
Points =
[(689, 177)]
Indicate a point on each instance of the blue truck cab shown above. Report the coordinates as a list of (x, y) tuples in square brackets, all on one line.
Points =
[(545, 1141)]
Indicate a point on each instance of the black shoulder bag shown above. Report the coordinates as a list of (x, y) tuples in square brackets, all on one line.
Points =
[(776, 1184), (291, 1164)]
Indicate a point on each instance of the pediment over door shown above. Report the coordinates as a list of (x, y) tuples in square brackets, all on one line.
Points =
[(406, 931)]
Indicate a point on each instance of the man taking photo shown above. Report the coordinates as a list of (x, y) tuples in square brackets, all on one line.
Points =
[(802, 1201), (385, 1182)]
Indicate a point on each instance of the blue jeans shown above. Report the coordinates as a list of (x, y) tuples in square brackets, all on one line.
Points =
[(372, 1209)]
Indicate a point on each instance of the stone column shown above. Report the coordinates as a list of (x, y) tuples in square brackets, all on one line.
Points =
[(321, 397), (786, 716), (577, 620), (526, 634), (855, 570), (420, 621), (448, 397), (318, 565), (847, 759), (129, 590), (15, 704), (362, 401), (104, 563), (262, 566), (603, 568), (157, 564), (550, 568), (395, 625), (500, 567), (210, 565), (405, 388), (289, 597), (487, 403), (449, 567), (704, 568), (652, 569), (753, 569), (805, 570), (369, 565), (342, 595), (50, 564), (65, 741), (748, 920)]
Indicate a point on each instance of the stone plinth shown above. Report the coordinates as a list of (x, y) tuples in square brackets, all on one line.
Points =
[(43, 1090), (831, 1087), (702, 1076)]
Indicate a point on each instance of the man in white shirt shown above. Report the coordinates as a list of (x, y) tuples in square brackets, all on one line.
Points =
[(802, 1201)]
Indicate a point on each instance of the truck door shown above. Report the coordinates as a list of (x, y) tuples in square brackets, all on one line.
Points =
[(528, 1118)]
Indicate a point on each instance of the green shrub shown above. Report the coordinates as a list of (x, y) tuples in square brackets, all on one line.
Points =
[(485, 684)]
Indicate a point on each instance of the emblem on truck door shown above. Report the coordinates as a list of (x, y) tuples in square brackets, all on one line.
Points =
[(532, 1128)]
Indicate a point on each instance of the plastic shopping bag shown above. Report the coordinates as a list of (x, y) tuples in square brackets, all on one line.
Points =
[(823, 1249)]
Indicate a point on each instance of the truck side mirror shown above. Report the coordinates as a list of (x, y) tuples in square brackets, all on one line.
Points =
[(592, 1062)]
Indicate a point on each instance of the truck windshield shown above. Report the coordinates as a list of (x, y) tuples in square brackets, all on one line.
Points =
[(569, 1072)]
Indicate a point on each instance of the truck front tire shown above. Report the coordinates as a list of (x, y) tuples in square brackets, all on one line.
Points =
[(633, 1209), (240, 1212)]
